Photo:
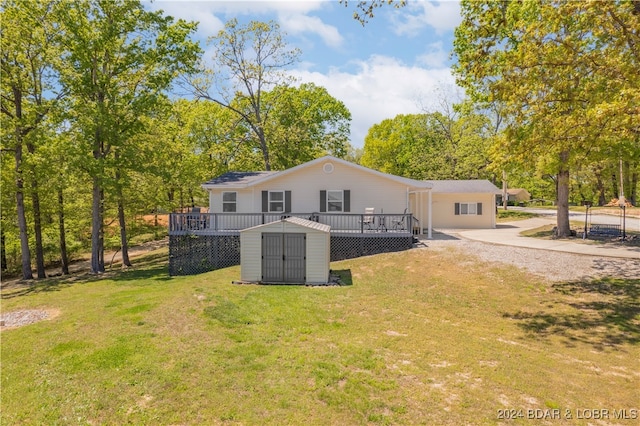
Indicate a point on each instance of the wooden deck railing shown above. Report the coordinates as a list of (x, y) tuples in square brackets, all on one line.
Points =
[(210, 223)]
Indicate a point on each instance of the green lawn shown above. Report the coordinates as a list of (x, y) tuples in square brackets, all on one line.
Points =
[(511, 215), (419, 337)]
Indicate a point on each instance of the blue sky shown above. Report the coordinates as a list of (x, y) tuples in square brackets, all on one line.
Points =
[(398, 63)]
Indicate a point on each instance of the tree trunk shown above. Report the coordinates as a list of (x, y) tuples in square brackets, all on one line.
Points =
[(37, 218), (97, 239), (22, 220), (265, 149), (634, 189), (3, 250), (121, 218), (614, 185), (563, 228), (602, 200), (64, 259), (37, 229), (626, 179), (123, 230), (505, 195)]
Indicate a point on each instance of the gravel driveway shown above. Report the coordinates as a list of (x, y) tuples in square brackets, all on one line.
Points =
[(553, 265)]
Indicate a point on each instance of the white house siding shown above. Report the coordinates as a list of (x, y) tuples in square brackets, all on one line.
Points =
[(366, 189), (317, 249), (443, 210)]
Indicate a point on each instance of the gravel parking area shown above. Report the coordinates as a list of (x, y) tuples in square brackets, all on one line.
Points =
[(553, 265)]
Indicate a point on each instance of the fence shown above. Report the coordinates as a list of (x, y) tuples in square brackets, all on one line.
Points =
[(211, 223)]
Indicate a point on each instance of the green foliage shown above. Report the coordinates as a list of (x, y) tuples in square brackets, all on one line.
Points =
[(249, 59), (304, 123), (430, 146), (565, 77)]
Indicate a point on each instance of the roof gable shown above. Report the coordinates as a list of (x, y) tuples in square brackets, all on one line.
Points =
[(248, 179)]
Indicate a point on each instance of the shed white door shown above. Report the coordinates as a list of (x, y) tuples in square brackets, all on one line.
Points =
[(284, 257)]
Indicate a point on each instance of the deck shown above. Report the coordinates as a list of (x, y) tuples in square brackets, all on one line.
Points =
[(370, 225), (201, 242)]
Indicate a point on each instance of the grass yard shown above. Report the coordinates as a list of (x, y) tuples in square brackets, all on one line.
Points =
[(511, 215), (420, 337)]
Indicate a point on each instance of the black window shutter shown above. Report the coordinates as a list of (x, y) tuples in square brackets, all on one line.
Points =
[(265, 201), (479, 209), (347, 200), (287, 201), (457, 208), (323, 200)]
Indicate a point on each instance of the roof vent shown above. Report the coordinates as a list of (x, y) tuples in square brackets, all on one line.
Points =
[(327, 168)]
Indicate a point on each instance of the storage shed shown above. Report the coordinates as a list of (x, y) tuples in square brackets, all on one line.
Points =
[(290, 251)]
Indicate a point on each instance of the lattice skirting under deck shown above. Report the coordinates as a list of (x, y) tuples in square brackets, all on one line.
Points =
[(194, 254)]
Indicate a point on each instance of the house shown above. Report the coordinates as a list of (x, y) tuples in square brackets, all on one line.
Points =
[(367, 211), (331, 185), (515, 196), (463, 203)]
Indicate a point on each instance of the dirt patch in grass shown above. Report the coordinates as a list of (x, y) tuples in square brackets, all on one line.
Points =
[(20, 318)]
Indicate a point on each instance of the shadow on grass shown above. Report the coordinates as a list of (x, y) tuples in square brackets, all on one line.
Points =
[(147, 270), (602, 313), (344, 276)]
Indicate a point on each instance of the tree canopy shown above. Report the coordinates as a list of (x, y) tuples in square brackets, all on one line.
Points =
[(565, 74)]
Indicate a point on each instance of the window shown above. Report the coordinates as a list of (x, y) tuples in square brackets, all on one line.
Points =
[(335, 201), (468, 209), (229, 202), (276, 201)]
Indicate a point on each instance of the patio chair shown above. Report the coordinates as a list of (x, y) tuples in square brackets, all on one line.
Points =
[(397, 222), (194, 219), (368, 219)]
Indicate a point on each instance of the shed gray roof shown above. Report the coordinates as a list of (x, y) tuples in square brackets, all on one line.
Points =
[(234, 179), (308, 223), (296, 221), (463, 186)]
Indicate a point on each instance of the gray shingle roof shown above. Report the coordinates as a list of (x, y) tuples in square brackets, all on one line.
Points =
[(463, 186), (237, 178)]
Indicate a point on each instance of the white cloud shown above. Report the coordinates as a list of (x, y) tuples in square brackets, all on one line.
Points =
[(299, 24), (434, 57), (291, 15), (382, 88), (442, 16), (199, 11)]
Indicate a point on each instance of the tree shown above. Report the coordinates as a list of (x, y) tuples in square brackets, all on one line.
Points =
[(430, 146), (28, 94), (565, 72), (250, 60), (365, 9), (119, 58), (304, 123)]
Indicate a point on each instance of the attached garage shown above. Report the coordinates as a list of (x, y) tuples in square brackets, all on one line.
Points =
[(289, 251)]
